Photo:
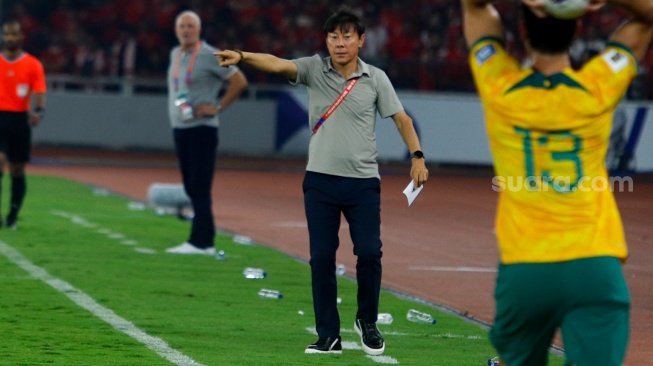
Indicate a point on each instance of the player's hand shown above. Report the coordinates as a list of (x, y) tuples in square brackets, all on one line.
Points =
[(418, 172), (228, 57), (537, 7), (595, 5)]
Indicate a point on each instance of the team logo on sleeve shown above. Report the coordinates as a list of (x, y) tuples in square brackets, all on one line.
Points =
[(616, 60), (484, 53)]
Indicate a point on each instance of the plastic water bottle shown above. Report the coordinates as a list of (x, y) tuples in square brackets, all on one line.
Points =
[(340, 269), (254, 273), (493, 361), (419, 317), (242, 239), (384, 318), (270, 294), (136, 206), (220, 255)]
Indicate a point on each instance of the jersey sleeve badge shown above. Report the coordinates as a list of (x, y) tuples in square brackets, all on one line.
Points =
[(484, 53), (616, 60)]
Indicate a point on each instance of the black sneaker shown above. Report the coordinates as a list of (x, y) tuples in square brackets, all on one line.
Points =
[(11, 221), (326, 345), (371, 338)]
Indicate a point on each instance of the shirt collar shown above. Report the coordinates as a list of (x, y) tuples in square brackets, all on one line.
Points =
[(363, 68)]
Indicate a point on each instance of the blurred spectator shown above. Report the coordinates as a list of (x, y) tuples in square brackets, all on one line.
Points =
[(416, 41), (89, 58), (122, 55), (54, 58), (374, 49), (28, 23)]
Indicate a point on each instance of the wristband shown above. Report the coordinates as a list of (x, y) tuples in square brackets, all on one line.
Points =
[(39, 111), (242, 57)]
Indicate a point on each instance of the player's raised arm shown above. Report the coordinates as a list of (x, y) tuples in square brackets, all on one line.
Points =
[(637, 32), (260, 61), (480, 19)]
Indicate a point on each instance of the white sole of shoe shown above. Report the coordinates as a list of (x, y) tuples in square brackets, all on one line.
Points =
[(368, 350), (316, 352), (190, 249)]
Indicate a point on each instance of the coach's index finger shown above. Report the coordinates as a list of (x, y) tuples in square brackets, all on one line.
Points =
[(225, 57)]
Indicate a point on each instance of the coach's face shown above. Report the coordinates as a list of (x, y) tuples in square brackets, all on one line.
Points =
[(343, 45), (12, 36), (187, 30)]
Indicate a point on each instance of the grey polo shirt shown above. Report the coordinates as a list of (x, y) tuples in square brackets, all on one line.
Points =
[(345, 145), (206, 80)]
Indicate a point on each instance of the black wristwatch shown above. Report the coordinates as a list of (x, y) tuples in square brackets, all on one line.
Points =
[(417, 154), (39, 112)]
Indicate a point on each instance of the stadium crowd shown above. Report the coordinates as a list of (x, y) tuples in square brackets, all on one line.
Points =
[(418, 43)]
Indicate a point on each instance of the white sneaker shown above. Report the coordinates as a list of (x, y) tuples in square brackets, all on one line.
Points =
[(188, 248)]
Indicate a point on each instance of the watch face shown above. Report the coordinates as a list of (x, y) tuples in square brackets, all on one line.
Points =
[(418, 154)]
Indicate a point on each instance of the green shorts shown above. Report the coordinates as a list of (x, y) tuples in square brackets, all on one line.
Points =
[(587, 299)]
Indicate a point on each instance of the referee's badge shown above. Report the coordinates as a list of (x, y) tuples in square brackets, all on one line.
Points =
[(484, 53), (22, 90)]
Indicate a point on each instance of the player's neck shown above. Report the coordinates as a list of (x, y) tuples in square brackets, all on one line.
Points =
[(550, 64), (11, 54)]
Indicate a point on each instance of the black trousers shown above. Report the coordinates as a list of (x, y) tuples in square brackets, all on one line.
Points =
[(196, 150), (326, 197)]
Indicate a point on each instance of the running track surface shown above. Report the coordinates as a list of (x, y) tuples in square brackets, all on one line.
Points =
[(441, 249)]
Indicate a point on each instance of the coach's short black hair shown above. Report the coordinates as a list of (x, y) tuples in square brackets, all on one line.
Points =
[(344, 19), (548, 35)]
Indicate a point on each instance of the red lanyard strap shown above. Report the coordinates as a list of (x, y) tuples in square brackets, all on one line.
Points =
[(189, 70), (335, 104)]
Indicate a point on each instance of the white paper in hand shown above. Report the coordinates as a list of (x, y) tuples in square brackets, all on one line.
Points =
[(411, 193)]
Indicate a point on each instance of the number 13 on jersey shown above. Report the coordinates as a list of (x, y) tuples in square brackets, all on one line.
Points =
[(551, 159)]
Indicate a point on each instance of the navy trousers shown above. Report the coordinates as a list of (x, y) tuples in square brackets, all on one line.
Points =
[(196, 150), (326, 197)]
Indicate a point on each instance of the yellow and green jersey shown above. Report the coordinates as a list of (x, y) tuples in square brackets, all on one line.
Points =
[(549, 136)]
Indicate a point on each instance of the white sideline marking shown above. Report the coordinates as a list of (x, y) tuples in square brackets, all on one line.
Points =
[(383, 359), (110, 234), (351, 345), (145, 250), (157, 345), (453, 269)]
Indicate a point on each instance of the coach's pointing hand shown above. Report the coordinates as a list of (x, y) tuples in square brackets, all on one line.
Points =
[(229, 57)]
